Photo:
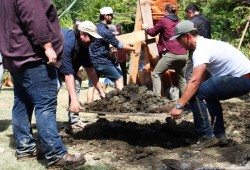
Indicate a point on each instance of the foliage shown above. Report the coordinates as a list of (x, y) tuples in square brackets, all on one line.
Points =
[(228, 17), (124, 11)]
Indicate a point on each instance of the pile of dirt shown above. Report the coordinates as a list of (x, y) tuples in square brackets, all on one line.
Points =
[(131, 99), (131, 142), (152, 142)]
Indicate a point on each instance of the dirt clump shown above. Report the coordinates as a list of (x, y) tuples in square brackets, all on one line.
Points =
[(131, 99)]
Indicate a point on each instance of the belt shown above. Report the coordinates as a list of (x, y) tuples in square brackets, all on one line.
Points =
[(246, 75)]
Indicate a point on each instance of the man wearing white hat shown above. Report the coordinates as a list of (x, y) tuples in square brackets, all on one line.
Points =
[(76, 54), (99, 49)]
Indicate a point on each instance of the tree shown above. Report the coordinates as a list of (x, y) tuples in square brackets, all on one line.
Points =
[(228, 17), (124, 11)]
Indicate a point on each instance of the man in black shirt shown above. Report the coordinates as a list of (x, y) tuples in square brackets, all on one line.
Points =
[(204, 27), (201, 23)]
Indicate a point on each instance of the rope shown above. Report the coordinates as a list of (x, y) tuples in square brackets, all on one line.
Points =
[(66, 10)]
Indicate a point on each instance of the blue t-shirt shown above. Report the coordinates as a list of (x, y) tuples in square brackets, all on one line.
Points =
[(74, 56), (99, 49)]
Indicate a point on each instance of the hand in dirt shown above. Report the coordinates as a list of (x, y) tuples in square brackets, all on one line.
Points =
[(75, 106), (51, 55), (102, 95), (176, 113)]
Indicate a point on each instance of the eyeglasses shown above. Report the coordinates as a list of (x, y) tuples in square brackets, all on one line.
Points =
[(179, 38)]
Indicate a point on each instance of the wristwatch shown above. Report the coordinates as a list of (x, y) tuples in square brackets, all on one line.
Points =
[(178, 106)]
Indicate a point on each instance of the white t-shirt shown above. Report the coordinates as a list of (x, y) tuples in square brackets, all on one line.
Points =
[(221, 58)]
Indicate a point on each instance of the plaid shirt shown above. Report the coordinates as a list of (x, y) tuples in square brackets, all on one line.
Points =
[(99, 49)]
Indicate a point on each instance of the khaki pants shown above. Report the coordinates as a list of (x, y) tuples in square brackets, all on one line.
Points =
[(173, 61)]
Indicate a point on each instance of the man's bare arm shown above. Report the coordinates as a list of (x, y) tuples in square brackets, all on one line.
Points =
[(95, 80), (70, 84)]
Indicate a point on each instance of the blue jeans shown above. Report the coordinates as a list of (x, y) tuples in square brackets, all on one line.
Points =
[(211, 91), (111, 72), (36, 87)]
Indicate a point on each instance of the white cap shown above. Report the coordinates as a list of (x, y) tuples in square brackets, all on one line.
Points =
[(88, 27), (106, 10)]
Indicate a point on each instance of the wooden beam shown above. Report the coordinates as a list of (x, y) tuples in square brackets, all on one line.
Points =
[(147, 18), (134, 37), (134, 64), (102, 113)]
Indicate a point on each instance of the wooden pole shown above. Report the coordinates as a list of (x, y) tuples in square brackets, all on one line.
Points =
[(134, 64), (243, 35), (148, 19)]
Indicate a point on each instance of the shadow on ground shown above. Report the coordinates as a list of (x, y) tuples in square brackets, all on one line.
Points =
[(4, 124), (166, 135)]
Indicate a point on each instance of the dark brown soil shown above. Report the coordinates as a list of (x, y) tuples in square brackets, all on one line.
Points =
[(131, 99), (134, 142)]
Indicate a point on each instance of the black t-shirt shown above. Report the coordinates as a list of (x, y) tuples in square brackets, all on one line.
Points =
[(203, 25)]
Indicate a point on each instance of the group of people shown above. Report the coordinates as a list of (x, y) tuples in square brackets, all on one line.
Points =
[(215, 71), (39, 55)]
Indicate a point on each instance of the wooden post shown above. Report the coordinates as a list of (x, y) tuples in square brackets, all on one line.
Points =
[(144, 15), (243, 35), (147, 18), (135, 59)]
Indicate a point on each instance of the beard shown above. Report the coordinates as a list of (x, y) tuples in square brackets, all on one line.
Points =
[(109, 22), (85, 44)]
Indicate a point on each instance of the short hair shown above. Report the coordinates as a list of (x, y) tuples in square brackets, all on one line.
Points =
[(193, 7), (101, 17), (76, 20), (118, 24), (171, 8)]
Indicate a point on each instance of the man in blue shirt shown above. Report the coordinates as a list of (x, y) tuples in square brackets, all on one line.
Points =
[(99, 49), (76, 54)]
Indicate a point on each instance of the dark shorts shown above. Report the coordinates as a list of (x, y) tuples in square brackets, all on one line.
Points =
[(111, 72)]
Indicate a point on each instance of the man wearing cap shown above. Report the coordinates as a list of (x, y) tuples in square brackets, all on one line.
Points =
[(107, 81), (76, 54), (230, 71), (99, 49)]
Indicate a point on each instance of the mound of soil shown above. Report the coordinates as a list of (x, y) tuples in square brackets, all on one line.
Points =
[(131, 99), (134, 142)]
